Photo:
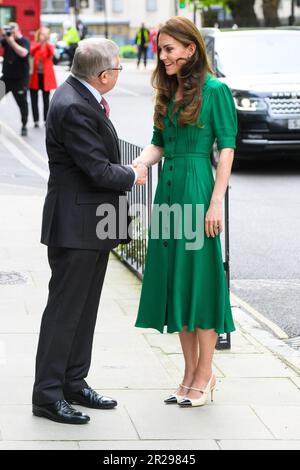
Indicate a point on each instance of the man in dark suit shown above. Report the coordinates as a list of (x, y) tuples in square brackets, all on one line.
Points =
[(85, 176)]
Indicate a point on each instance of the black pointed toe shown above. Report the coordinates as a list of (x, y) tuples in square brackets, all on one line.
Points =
[(61, 412), (91, 399), (171, 400)]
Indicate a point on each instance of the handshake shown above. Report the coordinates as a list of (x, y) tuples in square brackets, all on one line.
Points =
[(141, 169)]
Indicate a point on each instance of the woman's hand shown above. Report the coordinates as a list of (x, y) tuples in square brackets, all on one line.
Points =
[(213, 219), (139, 160), (149, 156)]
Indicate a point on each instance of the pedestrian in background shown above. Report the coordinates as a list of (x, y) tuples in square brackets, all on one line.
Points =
[(184, 284), (15, 70), (71, 38), (142, 41), (153, 42), (43, 77), (82, 29)]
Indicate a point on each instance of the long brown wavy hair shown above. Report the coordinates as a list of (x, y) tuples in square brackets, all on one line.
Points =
[(192, 74)]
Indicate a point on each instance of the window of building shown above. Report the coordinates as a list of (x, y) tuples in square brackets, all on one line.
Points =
[(117, 6), (151, 5), (99, 5), (7, 14), (55, 6)]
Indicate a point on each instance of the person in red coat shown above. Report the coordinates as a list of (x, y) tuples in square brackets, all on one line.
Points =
[(43, 77)]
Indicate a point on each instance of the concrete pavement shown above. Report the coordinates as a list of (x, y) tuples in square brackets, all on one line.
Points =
[(257, 403)]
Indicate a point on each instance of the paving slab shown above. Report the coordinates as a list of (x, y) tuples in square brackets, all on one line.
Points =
[(17, 423), (20, 391), (242, 391), (253, 365), (18, 351), (187, 444), (213, 421), (296, 381), (259, 445), (282, 420), (39, 445)]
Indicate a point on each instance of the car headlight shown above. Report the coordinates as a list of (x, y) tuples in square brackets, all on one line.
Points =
[(245, 103)]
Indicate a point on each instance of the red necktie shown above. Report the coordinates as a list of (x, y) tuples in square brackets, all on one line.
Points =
[(106, 107)]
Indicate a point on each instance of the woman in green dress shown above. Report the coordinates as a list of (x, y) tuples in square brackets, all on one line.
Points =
[(184, 286)]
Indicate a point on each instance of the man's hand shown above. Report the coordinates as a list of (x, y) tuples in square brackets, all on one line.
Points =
[(10, 39), (21, 51), (142, 172), (136, 161)]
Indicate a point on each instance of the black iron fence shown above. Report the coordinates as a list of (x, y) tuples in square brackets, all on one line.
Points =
[(140, 203)]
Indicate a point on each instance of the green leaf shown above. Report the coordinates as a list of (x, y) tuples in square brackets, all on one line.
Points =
[(207, 3)]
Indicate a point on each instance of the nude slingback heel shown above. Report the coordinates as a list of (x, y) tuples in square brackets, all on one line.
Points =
[(188, 402), (175, 398)]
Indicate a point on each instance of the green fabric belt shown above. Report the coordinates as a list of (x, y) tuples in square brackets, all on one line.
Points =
[(187, 155)]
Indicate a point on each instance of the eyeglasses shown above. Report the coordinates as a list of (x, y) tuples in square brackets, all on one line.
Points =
[(120, 68)]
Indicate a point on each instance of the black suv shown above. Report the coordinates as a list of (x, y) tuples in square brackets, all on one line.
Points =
[(262, 69)]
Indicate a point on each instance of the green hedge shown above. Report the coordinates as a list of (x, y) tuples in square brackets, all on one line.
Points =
[(128, 52)]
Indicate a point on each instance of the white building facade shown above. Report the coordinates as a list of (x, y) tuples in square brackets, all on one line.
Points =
[(124, 17)]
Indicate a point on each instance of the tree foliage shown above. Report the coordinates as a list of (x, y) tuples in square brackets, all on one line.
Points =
[(208, 3), (243, 10)]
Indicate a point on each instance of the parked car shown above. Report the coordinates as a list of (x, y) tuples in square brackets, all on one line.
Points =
[(262, 69)]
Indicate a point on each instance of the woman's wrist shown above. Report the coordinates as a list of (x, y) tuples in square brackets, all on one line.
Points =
[(216, 200), (145, 161)]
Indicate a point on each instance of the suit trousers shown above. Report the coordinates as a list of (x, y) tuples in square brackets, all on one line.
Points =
[(142, 52), (68, 323), (19, 91)]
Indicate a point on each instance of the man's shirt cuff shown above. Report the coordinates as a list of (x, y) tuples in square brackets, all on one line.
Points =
[(135, 173)]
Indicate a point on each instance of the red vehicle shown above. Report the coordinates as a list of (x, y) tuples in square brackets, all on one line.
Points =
[(24, 12)]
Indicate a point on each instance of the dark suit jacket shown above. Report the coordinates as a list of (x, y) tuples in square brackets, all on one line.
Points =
[(85, 172)]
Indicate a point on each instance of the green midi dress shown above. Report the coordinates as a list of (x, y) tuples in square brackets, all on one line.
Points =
[(185, 288)]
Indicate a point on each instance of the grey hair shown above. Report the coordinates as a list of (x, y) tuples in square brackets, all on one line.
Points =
[(92, 56)]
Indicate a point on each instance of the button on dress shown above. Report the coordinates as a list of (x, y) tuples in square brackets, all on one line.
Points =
[(184, 288)]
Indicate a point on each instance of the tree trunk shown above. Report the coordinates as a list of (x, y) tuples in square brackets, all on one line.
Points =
[(270, 11), (243, 12), (209, 18)]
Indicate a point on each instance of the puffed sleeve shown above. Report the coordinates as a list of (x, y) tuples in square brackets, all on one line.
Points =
[(157, 138), (224, 118)]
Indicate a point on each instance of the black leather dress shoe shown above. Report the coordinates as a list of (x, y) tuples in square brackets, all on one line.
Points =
[(88, 397), (61, 412)]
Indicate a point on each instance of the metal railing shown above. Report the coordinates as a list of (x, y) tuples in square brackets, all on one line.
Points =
[(224, 341), (140, 200)]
